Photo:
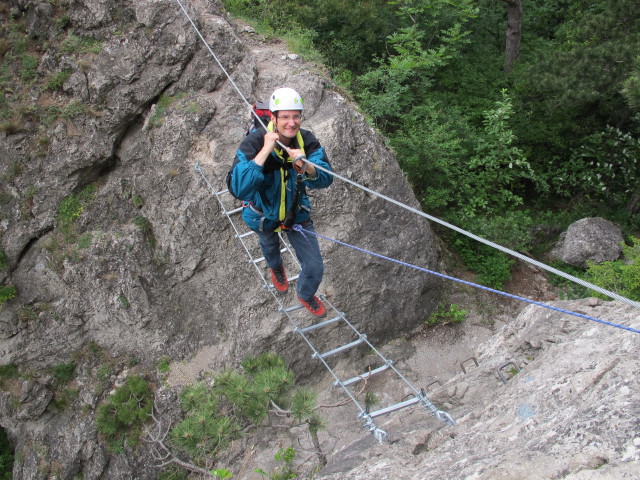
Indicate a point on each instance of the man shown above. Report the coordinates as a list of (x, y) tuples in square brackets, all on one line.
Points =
[(266, 178)]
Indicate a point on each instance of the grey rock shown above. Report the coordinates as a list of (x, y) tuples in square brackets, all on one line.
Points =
[(149, 267), (39, 17), (569, 412), (35, 398), (594, 240)]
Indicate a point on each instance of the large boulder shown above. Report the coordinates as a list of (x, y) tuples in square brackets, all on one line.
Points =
[(594, 240)]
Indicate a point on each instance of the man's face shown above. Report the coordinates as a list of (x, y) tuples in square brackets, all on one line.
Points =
[(287, 122)]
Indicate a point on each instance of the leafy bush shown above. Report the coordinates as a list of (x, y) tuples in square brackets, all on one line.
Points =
[(57, 80), (163, 364), (64, 372), (285, 471), (124, 413), (604, 167), (29, 66), (619, 276), (6, 456), (70, 209), (7, 292), (447, 314)]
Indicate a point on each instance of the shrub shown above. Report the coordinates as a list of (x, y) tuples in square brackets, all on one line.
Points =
[(447, 314), (29, 66), (8, 371), (126, 410), (285, 471), (620, 276), (57, 80), (64, 372), (216, 416), (163, 364), (70, 209), (7, 292), (6, 456), (205, 430)]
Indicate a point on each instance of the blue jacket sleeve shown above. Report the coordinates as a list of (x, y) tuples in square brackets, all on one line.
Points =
[(247, 177)]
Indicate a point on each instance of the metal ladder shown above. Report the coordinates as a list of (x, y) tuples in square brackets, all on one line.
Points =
[(336, 318)]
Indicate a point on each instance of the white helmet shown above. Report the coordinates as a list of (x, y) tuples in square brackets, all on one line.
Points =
[(285, 99)]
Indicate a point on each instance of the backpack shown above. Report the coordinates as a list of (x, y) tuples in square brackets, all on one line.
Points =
[(261, 110)]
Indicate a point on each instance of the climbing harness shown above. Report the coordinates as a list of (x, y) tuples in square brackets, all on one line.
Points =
[(415, 210), (301, 229), (337, 320)]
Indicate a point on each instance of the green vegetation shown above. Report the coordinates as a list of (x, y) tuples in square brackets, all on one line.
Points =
[(8, 372), (6, 456), (163, 104), (286, 470), (74, 45), (146, 228), (4, 261), (446, 314), (124, 301), (66, 240), (65, 372), (164, 364), (121, 417), (137, 201), (619, 276), (491, 142), (7, 292), (219, 411)]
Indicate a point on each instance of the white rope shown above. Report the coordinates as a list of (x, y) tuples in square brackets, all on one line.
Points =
[(419, 212), (215, 57)]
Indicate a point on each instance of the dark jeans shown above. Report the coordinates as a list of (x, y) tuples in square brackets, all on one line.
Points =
[(308, 253)]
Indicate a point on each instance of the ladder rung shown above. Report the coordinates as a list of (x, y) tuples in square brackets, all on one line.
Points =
[(235, 210), (246, 234), (226, 190), (393, 408), (320, 325), (364, 375), (290, 279), (342, 348), (291, 309), (258, 260)]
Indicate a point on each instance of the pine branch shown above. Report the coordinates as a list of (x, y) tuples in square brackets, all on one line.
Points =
[(162, 454)]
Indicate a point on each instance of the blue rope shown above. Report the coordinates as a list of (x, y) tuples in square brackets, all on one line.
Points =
[(302, 230)]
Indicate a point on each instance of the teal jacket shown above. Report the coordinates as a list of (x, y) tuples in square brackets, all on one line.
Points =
[(260, 187)]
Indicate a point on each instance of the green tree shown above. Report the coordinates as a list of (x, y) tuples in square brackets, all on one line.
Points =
[(429, 36), (124, 413), (571, 84)]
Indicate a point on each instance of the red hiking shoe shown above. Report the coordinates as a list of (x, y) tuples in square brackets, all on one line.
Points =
[(315, 306), (279, 279)]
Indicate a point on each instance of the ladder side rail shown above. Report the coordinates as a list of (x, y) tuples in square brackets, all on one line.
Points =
[(420, 397)]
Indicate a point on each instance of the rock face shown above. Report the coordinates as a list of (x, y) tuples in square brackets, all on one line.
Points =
[(589, 240), (118, 252), (567, 409)]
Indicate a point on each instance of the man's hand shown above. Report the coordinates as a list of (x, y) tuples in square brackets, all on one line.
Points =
[(299, 163), (269, 144), (270, 140)]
